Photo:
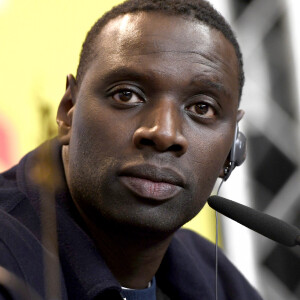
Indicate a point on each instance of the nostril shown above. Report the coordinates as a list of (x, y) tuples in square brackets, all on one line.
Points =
[(175, 148), (147, 142)]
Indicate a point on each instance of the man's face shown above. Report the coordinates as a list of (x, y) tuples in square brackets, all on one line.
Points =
[(153, 122)]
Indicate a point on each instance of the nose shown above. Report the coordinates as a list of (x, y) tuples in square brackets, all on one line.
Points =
[(161, 129)]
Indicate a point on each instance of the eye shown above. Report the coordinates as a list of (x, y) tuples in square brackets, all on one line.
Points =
[(203, 109), (126, 96)]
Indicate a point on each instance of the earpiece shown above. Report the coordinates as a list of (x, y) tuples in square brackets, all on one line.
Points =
[(237, 153)]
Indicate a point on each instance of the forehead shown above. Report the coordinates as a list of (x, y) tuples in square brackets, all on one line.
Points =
[(145, 38)]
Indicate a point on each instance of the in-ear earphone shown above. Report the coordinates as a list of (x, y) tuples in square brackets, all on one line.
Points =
[(237, 153)]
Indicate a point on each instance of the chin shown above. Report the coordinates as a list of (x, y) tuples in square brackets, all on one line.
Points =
[(142, 221)]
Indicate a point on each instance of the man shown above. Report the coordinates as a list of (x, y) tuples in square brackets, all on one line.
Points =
[(145, 129)]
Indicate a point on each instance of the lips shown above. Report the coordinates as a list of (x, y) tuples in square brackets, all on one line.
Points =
[(152, 182)]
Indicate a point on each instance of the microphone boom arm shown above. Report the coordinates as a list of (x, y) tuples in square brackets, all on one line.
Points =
[(271, 227)]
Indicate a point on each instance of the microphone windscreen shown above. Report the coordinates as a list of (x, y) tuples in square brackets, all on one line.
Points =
[(264, 224)]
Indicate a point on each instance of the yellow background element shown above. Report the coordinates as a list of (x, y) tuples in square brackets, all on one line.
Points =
[(40, 42)]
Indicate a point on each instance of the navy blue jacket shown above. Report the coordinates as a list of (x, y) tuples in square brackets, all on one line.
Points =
[(187, 270)]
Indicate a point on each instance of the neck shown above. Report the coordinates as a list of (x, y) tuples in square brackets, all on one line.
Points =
[(133, 258)]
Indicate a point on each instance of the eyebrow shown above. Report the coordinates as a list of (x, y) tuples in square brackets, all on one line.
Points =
[(213, 84), (125, 73)]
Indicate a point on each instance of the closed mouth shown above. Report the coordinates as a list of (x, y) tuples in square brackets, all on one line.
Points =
[(154, 173), (148, 181)]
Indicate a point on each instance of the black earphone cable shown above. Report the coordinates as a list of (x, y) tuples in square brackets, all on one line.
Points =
[(216, 245)]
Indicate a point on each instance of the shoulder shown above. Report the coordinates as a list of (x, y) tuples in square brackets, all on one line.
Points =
[(10, 195), (14, 201), (21, 253), (201, 256)]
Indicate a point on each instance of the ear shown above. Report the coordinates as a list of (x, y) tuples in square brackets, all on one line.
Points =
[(240, 115), (65, 111)]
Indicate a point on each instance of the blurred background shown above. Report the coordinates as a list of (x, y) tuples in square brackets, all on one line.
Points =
[(40, 42)]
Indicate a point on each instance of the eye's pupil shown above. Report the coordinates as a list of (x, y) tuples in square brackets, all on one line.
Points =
[(201, 108), (125, 95)]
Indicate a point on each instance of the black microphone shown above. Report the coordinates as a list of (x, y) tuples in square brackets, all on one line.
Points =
[(272, 228)]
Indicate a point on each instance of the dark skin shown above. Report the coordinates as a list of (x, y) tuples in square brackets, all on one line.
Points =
[(146, 134)]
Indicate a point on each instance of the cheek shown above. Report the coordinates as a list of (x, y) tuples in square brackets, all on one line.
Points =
[(206, 157), (99, 131)]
